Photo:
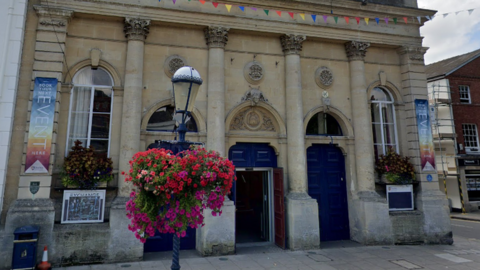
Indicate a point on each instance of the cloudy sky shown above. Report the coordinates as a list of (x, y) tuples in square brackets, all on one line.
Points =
[(454, 34)]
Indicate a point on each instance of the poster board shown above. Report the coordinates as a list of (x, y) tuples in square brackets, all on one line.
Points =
[(83, 206), (400, 197)]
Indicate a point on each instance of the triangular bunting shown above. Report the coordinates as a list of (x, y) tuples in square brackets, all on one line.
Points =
[(428, 18), (303, 16), (228, 7), (202, 1), (266, 11), (445, 15), (279, 13), (357, 19), (347, 20), (242, 8), (395, 20), (377, 20), (174, 1), (367, 20), (405, 19), (386, 20), (215, 4), (419, 19), (336, 19), (254, 8), (456, 13), (325, 17), (314, 17), (291, 14), (470, 11)]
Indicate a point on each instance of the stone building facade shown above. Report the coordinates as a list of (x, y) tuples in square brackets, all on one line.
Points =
[(279, 91)]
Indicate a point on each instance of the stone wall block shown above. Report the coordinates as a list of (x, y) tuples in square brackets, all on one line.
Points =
[(48, 56), (49, 47), (50, 36), (303, 228), (48, 66)]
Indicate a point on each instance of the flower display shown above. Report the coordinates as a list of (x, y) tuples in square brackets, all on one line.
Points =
[(172, 191), (397, 169)]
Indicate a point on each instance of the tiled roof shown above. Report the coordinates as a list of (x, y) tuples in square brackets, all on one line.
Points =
[(449, 65)]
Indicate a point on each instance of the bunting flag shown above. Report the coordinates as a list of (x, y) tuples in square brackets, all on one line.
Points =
[(325, 17), (336, 19), (228, 7), (377, 20), (242, 8), (395, 20), (291, 14), (445, 15), (419, 19), (386, 20), (470, 11), (174, 1), (254, 8), (266, 11), (367, 20), (215, 4), (202, 1), (347, 20), (405, 19), (303, 16), (357, 19), (314, 17), (279, 13)]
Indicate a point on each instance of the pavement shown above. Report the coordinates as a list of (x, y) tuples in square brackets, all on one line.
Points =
[(464, 254)]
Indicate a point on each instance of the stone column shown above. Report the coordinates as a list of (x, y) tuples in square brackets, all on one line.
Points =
[(429, 199), (217, 237), (123, 244), (136, 31), (369, 218), (302, 211), (217, 38)]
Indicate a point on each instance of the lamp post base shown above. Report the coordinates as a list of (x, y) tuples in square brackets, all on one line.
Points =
[(176, 253)]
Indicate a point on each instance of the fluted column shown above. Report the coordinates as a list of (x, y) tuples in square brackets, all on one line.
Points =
[(303, 230), (136, 31), (297, 173), (216, 37), (364, 155)]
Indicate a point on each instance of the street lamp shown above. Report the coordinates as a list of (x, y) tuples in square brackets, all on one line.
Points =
[(186, 82)]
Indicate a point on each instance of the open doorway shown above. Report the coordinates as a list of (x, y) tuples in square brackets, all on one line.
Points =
[(254, 208)]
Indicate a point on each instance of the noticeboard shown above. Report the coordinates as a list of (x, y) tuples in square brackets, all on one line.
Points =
[(83, 206), (400, 197)]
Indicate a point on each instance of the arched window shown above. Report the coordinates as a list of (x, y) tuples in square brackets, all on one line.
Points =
[(91, 109), (383, 121), (323, 124), (164, 119)]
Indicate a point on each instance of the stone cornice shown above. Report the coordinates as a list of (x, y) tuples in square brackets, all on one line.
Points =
[(216, 36), (415, 53), (292, 44), (136, 29), (53, 16), (356, 50)]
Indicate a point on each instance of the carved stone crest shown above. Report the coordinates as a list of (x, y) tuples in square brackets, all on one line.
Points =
[(255, 96), (254, 72), (292, 44), (136, 28), (324, 77), (172, 64), (216, 36), (356, 50), (252, 119)]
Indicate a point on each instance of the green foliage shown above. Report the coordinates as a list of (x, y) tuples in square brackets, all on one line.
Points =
[(85, 168), (397, 169)]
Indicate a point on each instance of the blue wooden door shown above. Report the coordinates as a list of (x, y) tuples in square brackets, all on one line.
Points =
[(327, 184)]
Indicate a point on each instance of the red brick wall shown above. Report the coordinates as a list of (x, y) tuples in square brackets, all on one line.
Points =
[(466, 113)]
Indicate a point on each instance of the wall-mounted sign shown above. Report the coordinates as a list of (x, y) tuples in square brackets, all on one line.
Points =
[(427, 154), (83, 206), (429, 178), (469, 162), (41, 126)]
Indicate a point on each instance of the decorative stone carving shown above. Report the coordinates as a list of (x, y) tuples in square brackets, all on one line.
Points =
[(292, 44), (383, 78), (136, 29), (255, 96), (253, 120), (253, 72), (95, 55), (53, 23), (172, 64), (356, 50), (324, 77), (414, 53), (52, 16), (216, 36)]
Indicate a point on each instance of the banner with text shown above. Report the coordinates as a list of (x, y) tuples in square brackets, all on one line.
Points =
[(427, 150), (41, 125)]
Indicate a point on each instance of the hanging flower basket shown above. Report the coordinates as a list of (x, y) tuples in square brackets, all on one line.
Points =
[(172, 191)]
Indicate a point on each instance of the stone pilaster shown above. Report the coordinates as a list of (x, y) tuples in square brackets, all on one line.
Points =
[(302, 211), (136, 31), (370, 223), (429, 200), (217, 237)]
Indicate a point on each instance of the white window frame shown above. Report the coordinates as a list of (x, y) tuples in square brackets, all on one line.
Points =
[(90, 117), (381, 102), (470, 149), (465, 90)]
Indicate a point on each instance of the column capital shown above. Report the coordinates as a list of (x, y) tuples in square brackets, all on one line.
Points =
[(414, 53), (216, 36), (292, 44), (136, 28), (356, 50), (53, 16)]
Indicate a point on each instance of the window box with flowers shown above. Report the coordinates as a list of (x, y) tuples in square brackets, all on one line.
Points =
[(399, 176)]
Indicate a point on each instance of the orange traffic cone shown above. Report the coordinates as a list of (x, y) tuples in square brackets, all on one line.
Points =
[(44, 265)]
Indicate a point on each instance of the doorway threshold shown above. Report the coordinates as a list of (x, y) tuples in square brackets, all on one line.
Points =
[(254, 244)]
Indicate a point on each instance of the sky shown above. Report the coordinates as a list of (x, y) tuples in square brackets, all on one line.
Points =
[(454, 34)]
